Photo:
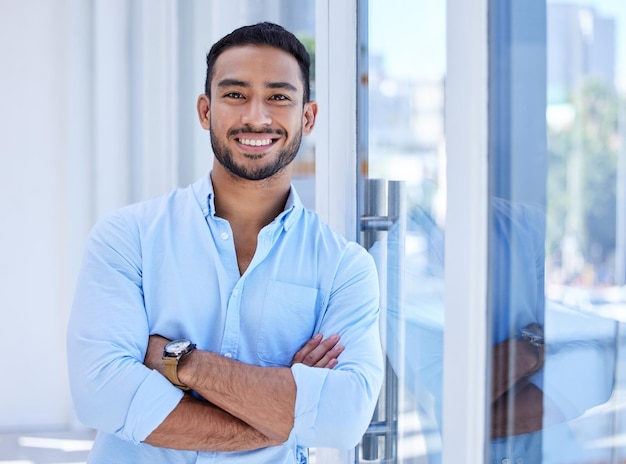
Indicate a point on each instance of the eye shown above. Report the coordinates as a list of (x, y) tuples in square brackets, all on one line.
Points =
[(279, 97), (233, 95)]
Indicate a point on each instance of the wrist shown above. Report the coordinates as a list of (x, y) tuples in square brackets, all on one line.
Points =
[(186, 369), (531, 337), (532, 357)]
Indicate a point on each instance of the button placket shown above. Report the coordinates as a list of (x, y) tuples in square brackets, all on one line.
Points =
[(231, 329)]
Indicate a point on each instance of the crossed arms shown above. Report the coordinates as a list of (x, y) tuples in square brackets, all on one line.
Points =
[(517, 404), (248, 407)]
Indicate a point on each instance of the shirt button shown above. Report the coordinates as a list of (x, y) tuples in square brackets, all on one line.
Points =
[(228, 355), (506, 461), (224, 236), (519, 461), (235, 292)]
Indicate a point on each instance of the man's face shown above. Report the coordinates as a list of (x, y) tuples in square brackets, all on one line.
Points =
[(256, 116)]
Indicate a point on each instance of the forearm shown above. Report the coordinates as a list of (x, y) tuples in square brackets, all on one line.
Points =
[(262, 397), (200, 426), (524, 414), (512, 361)]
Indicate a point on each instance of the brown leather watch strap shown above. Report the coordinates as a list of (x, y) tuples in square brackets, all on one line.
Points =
[(171, 372)]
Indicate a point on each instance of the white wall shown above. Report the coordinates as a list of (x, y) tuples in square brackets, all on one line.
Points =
[(84, 129), (35, 278)]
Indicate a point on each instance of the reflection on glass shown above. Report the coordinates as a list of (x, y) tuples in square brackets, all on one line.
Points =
[(555, 206), (557, 228), (404, 170)]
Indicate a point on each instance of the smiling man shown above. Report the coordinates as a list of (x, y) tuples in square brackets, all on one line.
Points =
[(196, 330), (266, 120)]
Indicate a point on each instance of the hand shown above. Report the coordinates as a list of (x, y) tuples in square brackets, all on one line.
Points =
[(319, 353), (512, 361), (154, 353)]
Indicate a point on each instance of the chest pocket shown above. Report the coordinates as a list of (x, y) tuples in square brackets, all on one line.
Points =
[(287, 322)]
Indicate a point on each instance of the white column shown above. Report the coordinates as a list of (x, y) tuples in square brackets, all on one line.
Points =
[(620, 213), (111, 142), (153, 87), (33, 253), (79, 173), (465, 340), (335, 151)]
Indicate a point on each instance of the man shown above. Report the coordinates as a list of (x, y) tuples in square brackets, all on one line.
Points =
[(236, 266)]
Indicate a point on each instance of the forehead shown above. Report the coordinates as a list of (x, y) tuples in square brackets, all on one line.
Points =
[(257, 64)]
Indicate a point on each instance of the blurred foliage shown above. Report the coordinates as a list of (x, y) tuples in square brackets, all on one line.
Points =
[(594, 135)]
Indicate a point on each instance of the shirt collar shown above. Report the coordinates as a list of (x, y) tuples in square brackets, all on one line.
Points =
[(205, 196)]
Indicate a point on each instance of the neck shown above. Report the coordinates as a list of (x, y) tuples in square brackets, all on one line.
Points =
[(249, 203)]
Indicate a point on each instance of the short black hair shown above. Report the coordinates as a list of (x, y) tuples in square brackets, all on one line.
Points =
[(264, 33)]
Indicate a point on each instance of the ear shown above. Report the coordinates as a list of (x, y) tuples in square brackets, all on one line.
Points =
[(204, 111), (308, 117)]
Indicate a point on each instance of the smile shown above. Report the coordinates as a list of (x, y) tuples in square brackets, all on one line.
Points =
[(255, 143)]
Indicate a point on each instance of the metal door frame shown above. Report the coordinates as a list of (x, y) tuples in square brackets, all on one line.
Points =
[(465, 340)]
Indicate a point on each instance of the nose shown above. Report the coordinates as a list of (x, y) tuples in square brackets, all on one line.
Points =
[(256, 113)]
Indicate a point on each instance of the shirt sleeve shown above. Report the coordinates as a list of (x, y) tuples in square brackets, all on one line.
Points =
[(578, 371), (107, 338), (335, 406)]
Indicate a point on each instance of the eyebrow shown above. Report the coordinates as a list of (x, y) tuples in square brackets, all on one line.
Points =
[(269, 85), (232, 83), (281, 85)]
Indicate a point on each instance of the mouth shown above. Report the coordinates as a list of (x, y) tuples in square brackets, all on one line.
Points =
[(256, 142)]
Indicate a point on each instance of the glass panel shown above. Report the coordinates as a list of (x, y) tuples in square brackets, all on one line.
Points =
[(402, 162), (557, 272)]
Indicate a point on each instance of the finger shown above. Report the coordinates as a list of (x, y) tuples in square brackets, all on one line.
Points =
[(329, 360), (319, 356), (306, 349)]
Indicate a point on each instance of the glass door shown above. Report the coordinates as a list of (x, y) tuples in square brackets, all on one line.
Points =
[(527, 187), (557, 301), (402, 206)]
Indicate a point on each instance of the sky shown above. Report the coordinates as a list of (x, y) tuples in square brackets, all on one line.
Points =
[(411, 35)]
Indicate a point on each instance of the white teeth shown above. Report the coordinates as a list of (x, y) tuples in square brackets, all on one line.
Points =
[(255, 143)]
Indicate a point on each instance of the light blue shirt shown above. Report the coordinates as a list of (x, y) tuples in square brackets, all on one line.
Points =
[(168, 266)]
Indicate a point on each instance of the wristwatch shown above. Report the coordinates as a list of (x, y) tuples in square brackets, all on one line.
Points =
[(172, 353), (534, 336)]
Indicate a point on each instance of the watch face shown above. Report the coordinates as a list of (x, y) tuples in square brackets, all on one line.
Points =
[(177, 346)]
